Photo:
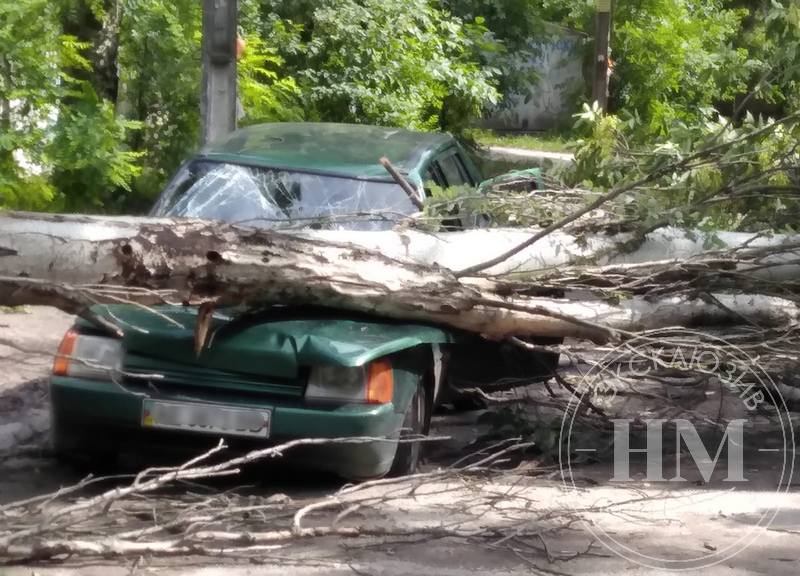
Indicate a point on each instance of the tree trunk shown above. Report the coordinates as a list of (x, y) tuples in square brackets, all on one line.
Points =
[(459, 250), (73, 261), (80, 20)]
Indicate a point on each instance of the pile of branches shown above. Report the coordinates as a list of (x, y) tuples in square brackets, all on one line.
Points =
[(148, 516)]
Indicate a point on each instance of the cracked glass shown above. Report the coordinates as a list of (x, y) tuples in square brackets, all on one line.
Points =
[(273, 198)]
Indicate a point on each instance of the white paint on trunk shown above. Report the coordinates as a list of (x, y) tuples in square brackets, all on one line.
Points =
[(459, 250), (393, 277)]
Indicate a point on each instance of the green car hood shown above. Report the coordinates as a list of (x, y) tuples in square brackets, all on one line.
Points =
[(276, 343)]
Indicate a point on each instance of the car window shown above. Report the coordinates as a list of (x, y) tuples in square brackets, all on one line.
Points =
[(433, 174), (272, 198), (455, 172)]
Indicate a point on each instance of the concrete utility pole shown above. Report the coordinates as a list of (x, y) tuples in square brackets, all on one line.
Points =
[(600, 82), (218, 99)]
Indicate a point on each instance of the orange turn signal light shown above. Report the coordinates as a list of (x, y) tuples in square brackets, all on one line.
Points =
[(65, 349), (380, 382)]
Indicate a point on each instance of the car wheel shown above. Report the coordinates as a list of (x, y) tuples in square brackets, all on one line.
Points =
[(468, 402), (406, 459), (80, 451)]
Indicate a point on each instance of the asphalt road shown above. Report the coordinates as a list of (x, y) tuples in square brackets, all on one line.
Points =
[(661, 521)]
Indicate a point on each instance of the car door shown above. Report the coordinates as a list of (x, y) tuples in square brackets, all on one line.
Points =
[(447, 169), (454, 168)]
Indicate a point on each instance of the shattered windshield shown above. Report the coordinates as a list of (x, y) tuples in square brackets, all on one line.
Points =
[(268, 197)]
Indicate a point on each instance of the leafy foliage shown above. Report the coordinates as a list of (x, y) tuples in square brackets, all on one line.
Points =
[(674, 58), (264, 93), (750, 181), (28, 96), (747, 181), (99, 99), (771, 34), (514, 26), (98, 118), (393, 62), (159, 84), (90, 165), (712, 175)]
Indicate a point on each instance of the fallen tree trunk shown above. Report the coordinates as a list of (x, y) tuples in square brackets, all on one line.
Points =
[(457, 250), (74, 261)]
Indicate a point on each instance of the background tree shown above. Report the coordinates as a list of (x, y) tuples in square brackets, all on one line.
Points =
[(394, 62), (46, 104), (99, 98)]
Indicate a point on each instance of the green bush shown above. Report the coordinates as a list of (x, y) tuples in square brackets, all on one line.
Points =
[(393, 62), (674, 58)]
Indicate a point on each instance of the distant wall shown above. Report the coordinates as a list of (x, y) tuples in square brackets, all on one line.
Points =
[(550, 101)]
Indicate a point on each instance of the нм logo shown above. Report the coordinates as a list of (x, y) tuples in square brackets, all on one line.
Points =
[(684, 430)]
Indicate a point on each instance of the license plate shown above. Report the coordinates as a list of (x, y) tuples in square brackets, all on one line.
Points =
[(207, 418)]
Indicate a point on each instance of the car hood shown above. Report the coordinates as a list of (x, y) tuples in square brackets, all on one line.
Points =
[(277, 342)]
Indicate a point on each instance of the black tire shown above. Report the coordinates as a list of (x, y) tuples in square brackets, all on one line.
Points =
[(81, 451), (468, 402), (415, 420)]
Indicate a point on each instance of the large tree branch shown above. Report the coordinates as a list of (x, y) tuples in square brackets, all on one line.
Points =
[(686, 163), (75, 261)]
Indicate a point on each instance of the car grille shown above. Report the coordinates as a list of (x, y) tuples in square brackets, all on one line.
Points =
[(173, 378)]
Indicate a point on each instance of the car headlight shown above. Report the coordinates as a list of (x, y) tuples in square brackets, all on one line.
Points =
[(373, 384), (84, 356)]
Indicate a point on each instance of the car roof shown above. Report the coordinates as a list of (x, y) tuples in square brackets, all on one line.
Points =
[(351, 150)]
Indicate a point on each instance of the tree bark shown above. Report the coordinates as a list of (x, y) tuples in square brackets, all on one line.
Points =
[(80, 20), (73, 261)]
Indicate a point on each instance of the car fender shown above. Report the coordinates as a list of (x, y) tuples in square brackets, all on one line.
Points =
[(277, 344)]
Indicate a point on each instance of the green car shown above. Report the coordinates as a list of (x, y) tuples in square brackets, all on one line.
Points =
[(284, 372)]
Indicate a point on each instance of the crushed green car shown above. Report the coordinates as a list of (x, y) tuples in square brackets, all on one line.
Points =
[(283, 372)]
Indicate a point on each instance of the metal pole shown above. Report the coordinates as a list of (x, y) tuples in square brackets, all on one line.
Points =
[(601, 40), (218, 98)]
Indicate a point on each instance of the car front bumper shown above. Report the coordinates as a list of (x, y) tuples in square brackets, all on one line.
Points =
[(99, 416)]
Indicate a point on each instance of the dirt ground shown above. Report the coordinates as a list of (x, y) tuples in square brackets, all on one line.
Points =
[(676, 522)]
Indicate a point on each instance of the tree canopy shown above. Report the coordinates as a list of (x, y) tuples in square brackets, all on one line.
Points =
[(99, 99)]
